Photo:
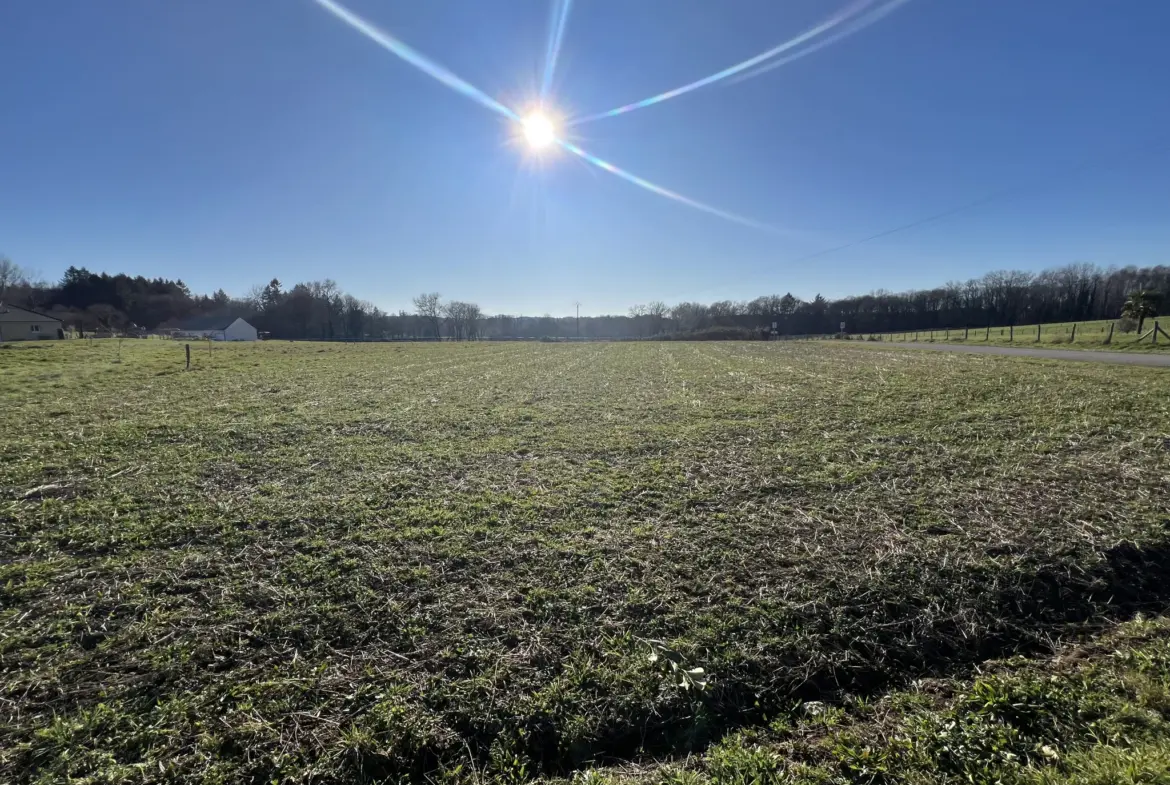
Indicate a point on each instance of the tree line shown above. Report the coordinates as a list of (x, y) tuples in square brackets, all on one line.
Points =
[(1076, 292), (320, 310)]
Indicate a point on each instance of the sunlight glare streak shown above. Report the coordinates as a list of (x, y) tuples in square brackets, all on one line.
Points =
[(537, 128), (658, 189), (857, 26), (841, 16), (557, 36), (427, 66)]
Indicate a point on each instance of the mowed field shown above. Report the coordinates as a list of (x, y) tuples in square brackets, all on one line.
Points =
[(334, 563)]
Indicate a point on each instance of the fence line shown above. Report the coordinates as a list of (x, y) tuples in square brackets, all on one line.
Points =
[(992, 334)]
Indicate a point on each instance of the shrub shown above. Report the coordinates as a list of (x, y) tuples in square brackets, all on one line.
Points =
[(714, 334)]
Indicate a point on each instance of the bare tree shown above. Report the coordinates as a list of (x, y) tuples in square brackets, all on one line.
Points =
[(354, 316), (430, 309), (724, 312), (322, 307), (453, 314), (463, 319), (638, 317), (690, 316), (10, 274), (472, 315), (657, 312), (255, 297)]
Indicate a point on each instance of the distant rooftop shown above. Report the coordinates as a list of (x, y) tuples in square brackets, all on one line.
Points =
[(213, 321)]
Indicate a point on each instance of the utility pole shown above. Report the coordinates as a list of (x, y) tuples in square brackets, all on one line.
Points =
[(578, 304)]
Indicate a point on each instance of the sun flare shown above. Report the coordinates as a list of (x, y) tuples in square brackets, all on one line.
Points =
[(539, 131)]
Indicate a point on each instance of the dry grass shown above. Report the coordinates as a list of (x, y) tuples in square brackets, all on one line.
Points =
[(314, 562)]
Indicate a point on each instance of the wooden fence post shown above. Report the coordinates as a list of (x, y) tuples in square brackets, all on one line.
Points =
[(947, 335), (1038, 333), (966, 330), (1156, 330), (987, 337), (1109, 338), (1011, 333), (188, 346), (1073, 337)]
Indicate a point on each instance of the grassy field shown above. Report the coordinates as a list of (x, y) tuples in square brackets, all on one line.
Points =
[(331, 563), (1057, 335)]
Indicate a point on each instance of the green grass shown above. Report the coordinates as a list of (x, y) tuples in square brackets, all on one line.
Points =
[(331, 563), (1097, 713), (1056, 335)]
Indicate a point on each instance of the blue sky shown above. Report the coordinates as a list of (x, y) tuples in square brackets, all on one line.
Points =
[(230, 141)]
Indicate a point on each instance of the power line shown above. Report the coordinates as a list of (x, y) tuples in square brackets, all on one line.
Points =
[(1158, 145)]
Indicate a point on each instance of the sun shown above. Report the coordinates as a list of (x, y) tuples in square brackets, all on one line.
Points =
[(539, 131)]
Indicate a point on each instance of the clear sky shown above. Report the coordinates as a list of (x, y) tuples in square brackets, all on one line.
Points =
[(230, 141)]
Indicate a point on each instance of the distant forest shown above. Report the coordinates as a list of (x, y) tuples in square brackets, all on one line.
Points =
[(319, 310)]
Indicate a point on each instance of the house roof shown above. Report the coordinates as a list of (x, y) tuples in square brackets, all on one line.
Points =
[(7, 307), (212, 321)]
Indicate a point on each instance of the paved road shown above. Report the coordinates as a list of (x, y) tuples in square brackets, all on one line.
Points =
[(1117, 358)]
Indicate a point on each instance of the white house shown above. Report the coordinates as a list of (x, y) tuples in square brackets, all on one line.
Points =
[(21, 324), (217, 328)]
